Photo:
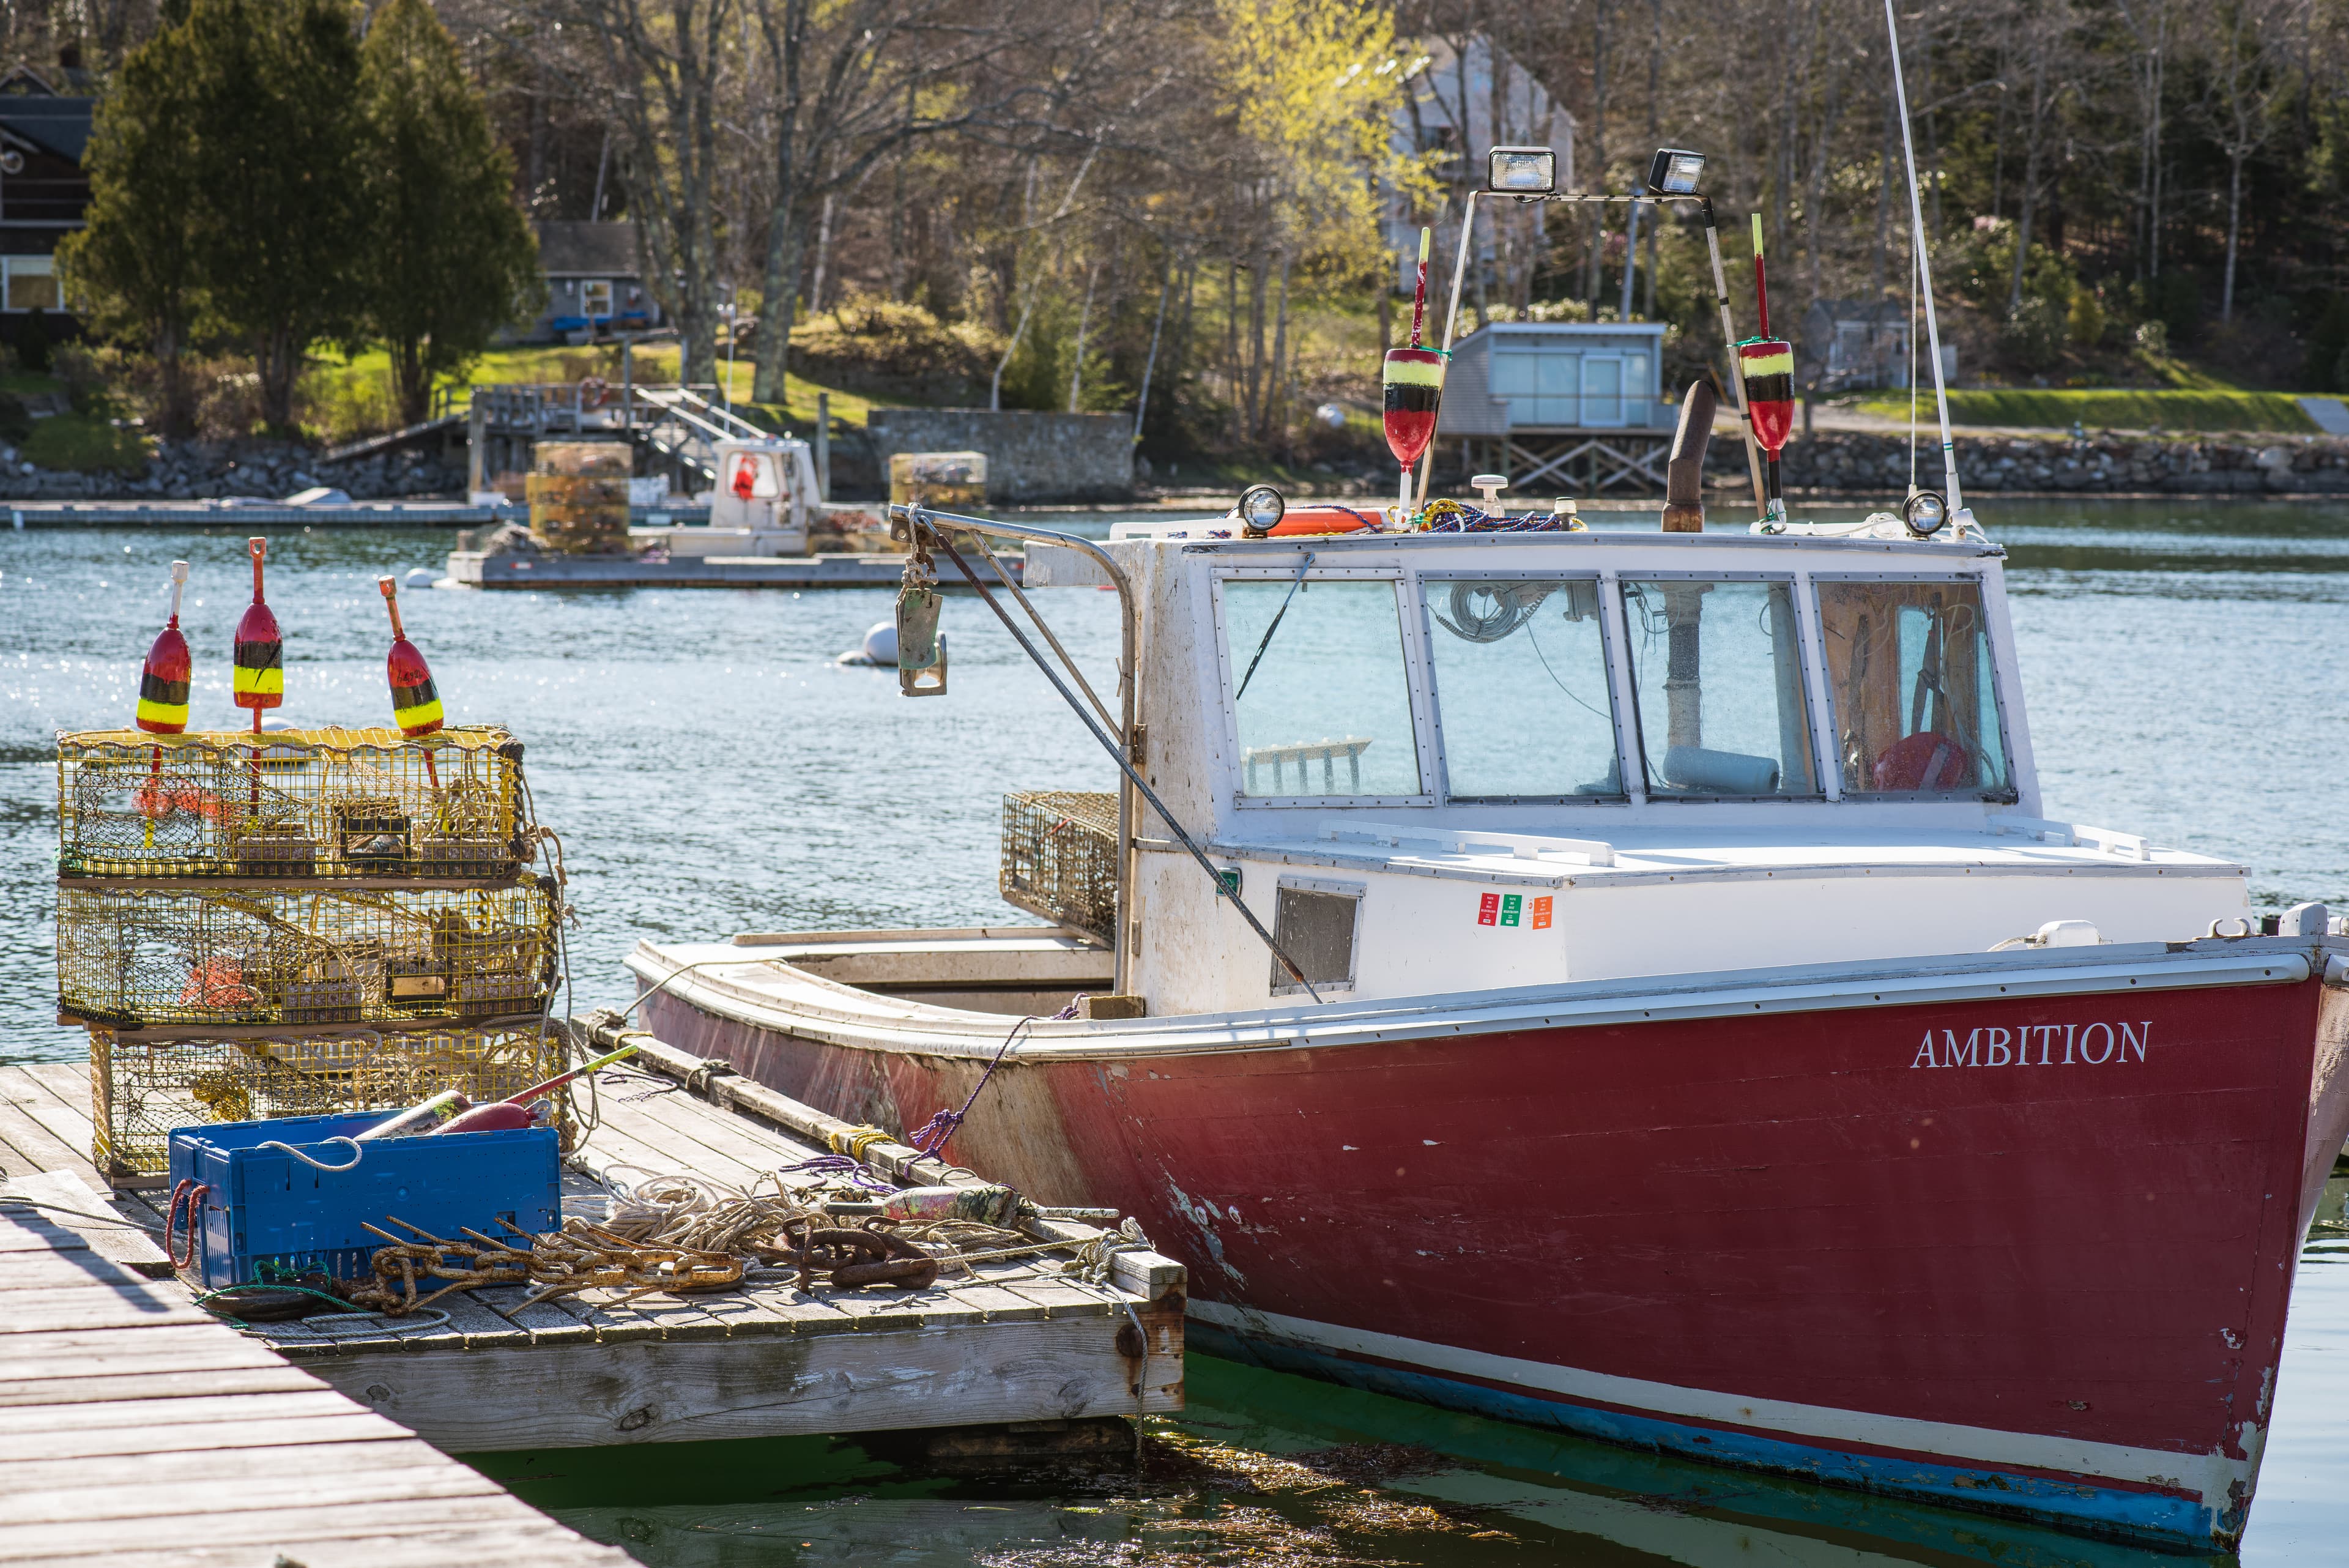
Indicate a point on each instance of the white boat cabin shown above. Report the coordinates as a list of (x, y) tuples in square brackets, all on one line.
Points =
[(1442, 762)]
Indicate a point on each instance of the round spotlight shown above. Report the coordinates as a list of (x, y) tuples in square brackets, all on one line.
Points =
[(1925, 512), (1260, 509)]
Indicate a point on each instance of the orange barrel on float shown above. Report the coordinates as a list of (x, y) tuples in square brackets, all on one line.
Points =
[(1323, 520)]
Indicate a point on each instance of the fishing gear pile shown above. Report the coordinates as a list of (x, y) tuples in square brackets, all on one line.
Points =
[(267, 922)]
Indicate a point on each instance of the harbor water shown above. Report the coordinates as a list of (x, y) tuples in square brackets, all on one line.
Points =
[(713, 768)]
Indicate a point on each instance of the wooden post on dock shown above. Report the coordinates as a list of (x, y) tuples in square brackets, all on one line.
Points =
[(824, 446), (476, 453)]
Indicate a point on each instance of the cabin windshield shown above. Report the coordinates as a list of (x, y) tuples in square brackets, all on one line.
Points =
[(1322, 694), (1717, 673), (1911, 689), (1522, 701)]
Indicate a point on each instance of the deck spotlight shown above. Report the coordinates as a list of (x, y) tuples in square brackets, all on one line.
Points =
[(1925, 512), (1526, 171), (1675, 171), (1260, 509)]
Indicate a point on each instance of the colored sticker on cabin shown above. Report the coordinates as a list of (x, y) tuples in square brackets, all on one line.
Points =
[(1541, 913), (1511, 908), (1489, 909)]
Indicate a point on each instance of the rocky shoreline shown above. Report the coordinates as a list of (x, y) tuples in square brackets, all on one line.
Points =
[(266, 471), (1839, 461), (1831, 463)]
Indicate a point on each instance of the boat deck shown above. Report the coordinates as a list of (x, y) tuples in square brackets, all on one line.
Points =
[(139, 1424), (995, 1342)]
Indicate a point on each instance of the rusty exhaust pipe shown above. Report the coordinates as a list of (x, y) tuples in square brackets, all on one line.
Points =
[(1684, 473)]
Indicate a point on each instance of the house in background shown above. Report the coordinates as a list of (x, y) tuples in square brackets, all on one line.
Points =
[(1458, 103), (1851, 344), (43, 195), (595, 283)]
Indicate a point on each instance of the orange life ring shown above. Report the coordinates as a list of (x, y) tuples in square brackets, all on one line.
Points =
[(1924, 761), (593, 391), (1322, 520)]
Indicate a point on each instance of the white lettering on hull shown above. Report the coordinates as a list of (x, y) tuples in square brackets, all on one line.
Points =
[(2036, 1044)]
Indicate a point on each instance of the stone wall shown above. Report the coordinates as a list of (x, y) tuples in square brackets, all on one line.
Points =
[(1846, 460), (267, 471), (1031, 457)]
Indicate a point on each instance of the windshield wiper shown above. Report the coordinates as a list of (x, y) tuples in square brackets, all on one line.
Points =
[(1273, 627)]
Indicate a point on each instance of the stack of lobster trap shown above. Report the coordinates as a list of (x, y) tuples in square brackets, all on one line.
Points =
[(298, 923)]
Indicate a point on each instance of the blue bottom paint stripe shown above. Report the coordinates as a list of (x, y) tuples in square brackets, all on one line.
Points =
[(2152, 1518)]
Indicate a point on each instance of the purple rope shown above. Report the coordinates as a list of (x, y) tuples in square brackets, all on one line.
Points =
[(932, 1136)]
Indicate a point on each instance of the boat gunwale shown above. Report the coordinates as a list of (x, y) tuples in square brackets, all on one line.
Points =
[(895, 1026)]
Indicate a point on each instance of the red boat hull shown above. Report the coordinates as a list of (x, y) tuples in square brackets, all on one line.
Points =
[(2026, 1253)]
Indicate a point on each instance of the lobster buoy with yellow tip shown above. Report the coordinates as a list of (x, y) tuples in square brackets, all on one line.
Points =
[(164, 680), (414, 702), (259, 647)]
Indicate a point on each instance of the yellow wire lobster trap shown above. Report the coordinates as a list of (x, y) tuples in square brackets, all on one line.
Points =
[(129, 958), (140, 1091), (342, 805), (1060, 857)]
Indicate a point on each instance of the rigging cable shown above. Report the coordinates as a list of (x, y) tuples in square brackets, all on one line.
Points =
[(1117, 755)]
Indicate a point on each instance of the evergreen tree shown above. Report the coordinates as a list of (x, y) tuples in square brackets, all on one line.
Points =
[(272, 160), (132, 271), (449, 259)]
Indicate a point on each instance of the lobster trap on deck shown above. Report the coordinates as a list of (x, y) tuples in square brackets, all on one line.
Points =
[(141, 1090), (337, 805), (1060, 857), (279, 958)]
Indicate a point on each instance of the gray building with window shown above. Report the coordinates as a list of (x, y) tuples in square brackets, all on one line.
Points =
[(595, 283), (43, 195), (1563, 403)]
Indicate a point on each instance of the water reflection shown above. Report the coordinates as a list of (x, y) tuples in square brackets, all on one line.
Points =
[(1273, 1470)]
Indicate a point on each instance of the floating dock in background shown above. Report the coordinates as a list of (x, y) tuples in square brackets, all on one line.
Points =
[(473, 569), (252, 514), (1032, 1357)]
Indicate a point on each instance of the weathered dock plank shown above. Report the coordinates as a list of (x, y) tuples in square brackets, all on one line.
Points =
[(1009, 1340), (142, 1428)]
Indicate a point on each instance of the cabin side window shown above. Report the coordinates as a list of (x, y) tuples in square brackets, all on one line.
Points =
[(1911, 689), (1314, 923), (1322, 697), (1523, 699), (1717, 675)]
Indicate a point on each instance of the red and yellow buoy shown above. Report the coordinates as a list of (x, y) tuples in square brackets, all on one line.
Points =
[(164, 680), (259, 647), (414, 702)]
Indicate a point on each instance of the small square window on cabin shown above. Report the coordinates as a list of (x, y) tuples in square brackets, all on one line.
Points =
[(1315, 927), (596, 298), (32, 284), (1717, 671), (1912, 690), (1320, 697), (1522, 696)]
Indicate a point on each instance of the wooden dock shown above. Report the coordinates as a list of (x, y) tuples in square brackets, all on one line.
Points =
[(1015, 1345), (140, 1427)]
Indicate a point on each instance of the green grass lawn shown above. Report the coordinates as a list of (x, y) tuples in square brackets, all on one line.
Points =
[(85, 444), (347, 397), (2114, 409)]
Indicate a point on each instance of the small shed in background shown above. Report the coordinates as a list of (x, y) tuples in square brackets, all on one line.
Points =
[(1576, 406), (595, 283)]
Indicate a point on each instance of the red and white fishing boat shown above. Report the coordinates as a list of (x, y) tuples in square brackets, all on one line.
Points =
[(1685, 1025)]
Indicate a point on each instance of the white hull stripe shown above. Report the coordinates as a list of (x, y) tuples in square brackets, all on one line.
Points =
[(835, 1014), (2208, 1476)]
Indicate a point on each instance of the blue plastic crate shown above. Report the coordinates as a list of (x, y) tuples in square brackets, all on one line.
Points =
[(267, 1210)]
